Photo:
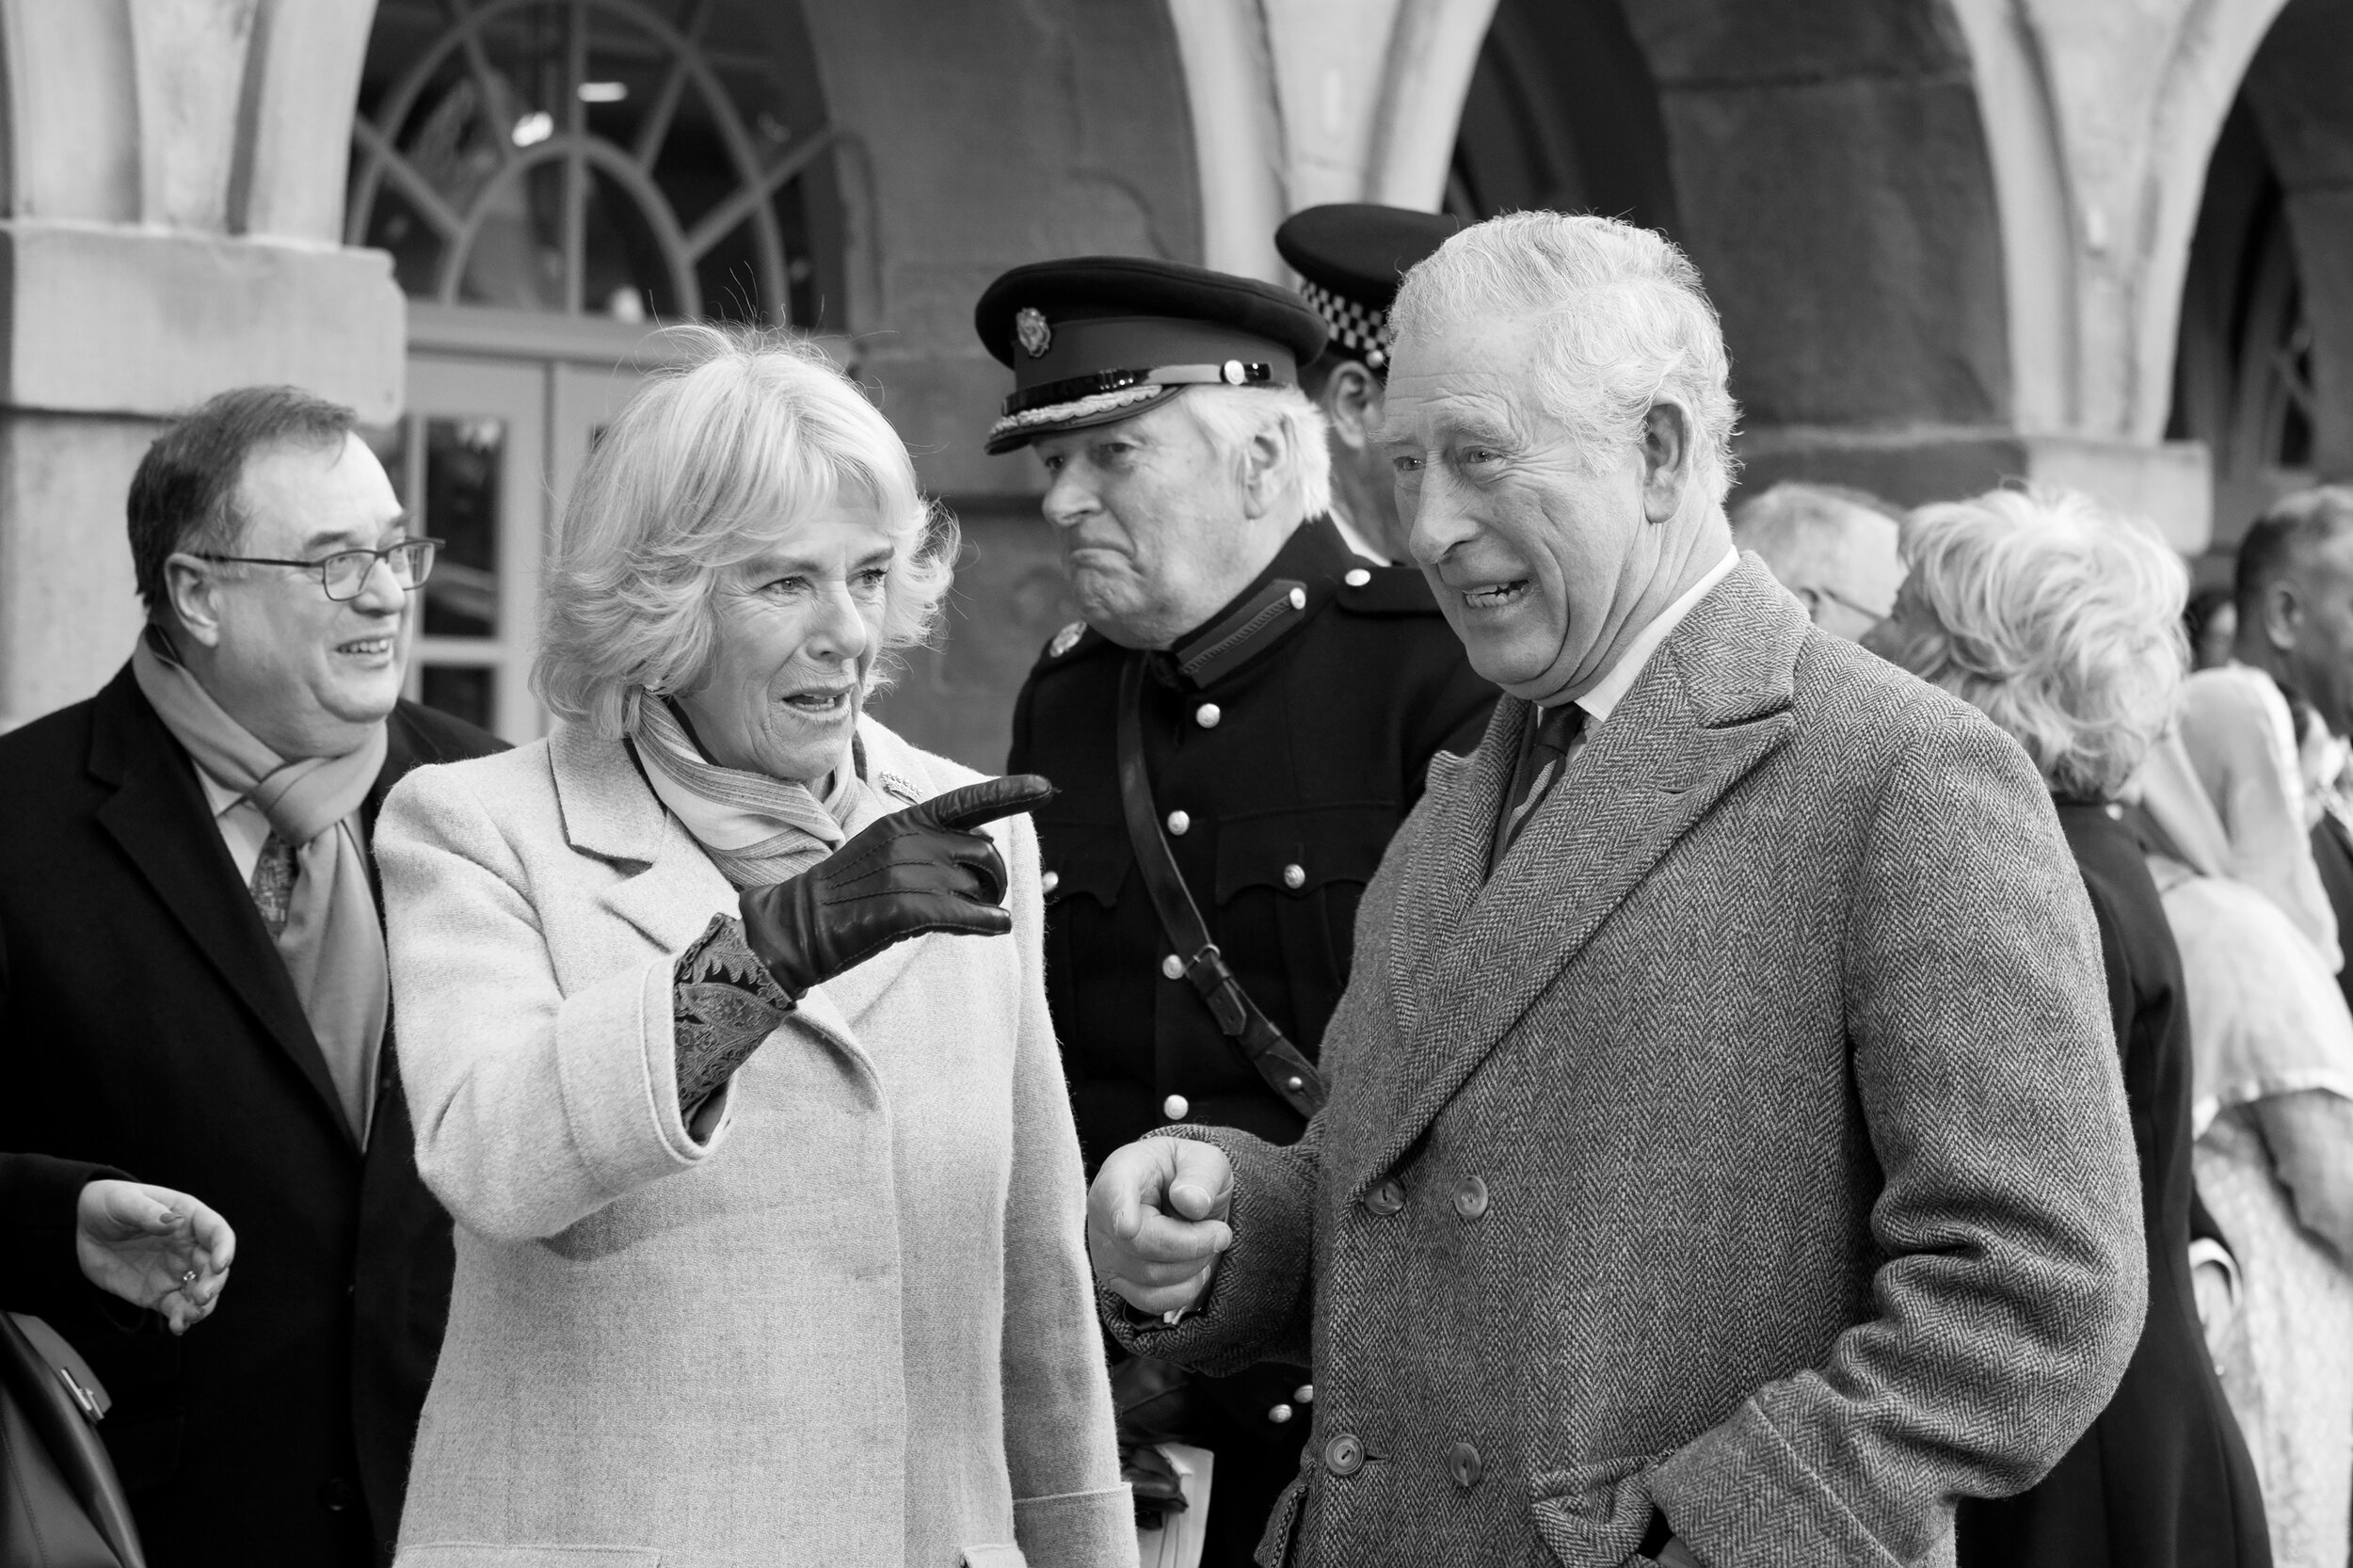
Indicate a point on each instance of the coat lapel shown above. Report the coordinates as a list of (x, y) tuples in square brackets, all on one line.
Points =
[(669, 889), (159, 816), (1471, 953)]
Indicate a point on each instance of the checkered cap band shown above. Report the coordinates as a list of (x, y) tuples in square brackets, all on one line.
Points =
[(1355, 327)]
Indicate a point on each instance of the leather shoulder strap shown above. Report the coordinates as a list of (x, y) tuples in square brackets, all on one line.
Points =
[(1289, 1073)]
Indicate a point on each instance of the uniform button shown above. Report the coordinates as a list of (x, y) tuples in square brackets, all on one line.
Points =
[(1304, 1394), (1172, 966), (1357, 577), (1299, 599), (335, 1495), (1207, 714), (1294, 876), (1464, 1463), (1280, 1413), (1344, 1455), (1175, 1108), (1470, 1199), (1385, 1199), (1050, 881), (1178, 823)]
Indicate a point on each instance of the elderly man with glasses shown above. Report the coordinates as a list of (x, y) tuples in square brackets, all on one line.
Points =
[(193, 986)]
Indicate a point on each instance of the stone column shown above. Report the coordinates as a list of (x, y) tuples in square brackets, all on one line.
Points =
[(169, 231)]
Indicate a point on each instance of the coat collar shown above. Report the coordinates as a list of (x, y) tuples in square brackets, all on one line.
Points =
[(669, 889), (158, 814), (1469, 951)]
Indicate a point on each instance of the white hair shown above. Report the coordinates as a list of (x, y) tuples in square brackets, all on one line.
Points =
[(2059, 619), (710, 462), (1233, 417), (1620, 317)]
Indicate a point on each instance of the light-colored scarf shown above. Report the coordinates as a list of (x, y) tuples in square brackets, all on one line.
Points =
[(332, 944), (756, 831)]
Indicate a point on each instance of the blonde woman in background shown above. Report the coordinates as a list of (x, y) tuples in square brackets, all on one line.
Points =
[(2060, 621)]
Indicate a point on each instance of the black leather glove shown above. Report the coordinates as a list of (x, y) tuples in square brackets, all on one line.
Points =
[(928, 867), (1153, 1403)]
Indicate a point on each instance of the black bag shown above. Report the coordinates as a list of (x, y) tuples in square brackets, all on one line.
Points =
[(60, 1504)]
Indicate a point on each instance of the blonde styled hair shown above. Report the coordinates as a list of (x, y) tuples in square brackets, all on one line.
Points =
[(1619, 313), (2059, 619), (714, 459)]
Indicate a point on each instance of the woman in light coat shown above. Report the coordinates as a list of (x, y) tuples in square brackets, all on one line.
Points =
[(723, 1022)]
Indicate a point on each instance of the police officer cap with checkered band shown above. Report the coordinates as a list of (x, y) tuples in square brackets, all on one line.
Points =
[(1098, 339), (1351, 256)]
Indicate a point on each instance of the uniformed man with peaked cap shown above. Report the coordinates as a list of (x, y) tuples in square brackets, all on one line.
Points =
[(1349, 257), (1272, 702)]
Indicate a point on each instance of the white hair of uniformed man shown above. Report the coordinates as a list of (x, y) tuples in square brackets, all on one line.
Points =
[(1620, 318), (716, 457), (1234, 417), (2058, 618)]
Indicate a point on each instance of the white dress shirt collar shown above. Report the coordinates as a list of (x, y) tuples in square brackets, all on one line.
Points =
[(1611, 688)]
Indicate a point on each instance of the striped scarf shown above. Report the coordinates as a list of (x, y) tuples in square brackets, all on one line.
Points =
[(756, 831)]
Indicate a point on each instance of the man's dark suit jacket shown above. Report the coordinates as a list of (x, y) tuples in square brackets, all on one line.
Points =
[(148, 1023)]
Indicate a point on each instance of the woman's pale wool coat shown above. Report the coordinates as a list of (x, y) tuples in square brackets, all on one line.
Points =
[(854, 1329)]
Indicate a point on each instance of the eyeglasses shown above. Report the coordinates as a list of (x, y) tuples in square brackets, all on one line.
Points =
[(344, 573)]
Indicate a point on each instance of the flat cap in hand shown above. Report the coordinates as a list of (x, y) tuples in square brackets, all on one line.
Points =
[(1098, 339), (1351, 256)]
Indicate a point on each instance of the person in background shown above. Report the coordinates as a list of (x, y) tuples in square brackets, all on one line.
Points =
[(1728, 1160), (66, 1223), (2295, 609), (2059, 621), (1349, 256), (1281, 699), (1832, 546), (2273, 1111), (192, 979), (2210, 622), (769, 1201)]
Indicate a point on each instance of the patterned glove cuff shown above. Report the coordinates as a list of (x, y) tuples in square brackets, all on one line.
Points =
[(723, 1003)]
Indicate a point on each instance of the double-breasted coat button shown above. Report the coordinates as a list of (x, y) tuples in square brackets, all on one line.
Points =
[(1178, 822), (1175, 1108), (1470, 1199), (1304, 1394), (1464, 1463), (1357, 577), (1207, 714), (1172, 966), (1050, 881), (1280, 1413), (1294, 876), (1344, 1455), (1386, 1199)]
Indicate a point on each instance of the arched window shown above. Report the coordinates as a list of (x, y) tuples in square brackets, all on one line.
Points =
[(629, 159)]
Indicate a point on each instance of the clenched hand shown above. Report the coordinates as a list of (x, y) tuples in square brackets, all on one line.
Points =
[(1156, 1221)]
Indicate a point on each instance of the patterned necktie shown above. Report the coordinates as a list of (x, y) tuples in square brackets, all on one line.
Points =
[(273, 884), (1541, 763)]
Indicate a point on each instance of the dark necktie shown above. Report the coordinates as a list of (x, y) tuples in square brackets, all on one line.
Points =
[(1541, 760)]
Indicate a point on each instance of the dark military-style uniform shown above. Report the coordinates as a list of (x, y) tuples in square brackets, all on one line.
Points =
[(1281, 765), (1289, 755), (1284, 741)]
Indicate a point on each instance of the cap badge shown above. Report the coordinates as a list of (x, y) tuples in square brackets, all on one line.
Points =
[(1031, 332)]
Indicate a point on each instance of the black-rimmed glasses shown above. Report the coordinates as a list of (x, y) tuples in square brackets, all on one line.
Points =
[(345, 573)]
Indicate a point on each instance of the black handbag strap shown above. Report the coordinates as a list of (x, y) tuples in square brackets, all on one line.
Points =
[(1287, 1072), (73, 1495)]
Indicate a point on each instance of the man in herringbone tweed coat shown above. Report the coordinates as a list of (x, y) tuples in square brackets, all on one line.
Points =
[(1727, 1162)]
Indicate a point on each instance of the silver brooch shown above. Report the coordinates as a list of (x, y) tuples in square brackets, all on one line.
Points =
[(1031, 332), (1067, 639)]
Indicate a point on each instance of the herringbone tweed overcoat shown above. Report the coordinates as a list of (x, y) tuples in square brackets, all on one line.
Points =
[(1751, 1146)]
